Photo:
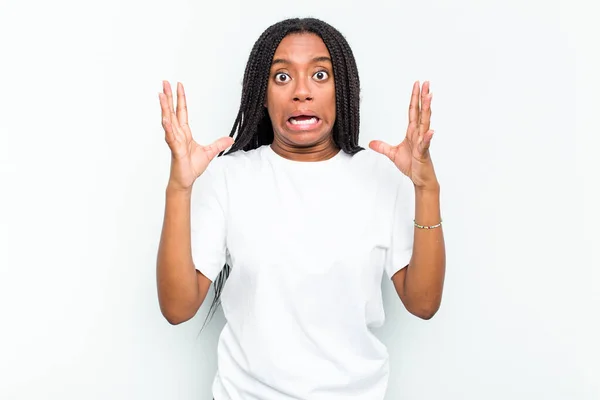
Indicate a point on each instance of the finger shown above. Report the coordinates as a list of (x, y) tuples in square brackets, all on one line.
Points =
[(166, 118), (425, 117), (383, 148), (413, 108), (169, 93), (182, 115), (217, 146), (426, 142)]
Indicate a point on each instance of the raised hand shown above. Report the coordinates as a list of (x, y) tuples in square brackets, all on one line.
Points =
[(188, 159), (411, 156)]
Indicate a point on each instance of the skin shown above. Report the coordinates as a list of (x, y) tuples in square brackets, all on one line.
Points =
[(181, 288), (301, 81), (420, 285)]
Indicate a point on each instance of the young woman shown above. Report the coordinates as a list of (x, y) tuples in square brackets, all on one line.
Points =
[(296, 224)]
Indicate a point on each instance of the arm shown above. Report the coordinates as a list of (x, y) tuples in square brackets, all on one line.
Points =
[(420, 285), (181, 288)]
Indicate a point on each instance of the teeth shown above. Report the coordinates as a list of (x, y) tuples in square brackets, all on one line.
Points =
[(294, 121)]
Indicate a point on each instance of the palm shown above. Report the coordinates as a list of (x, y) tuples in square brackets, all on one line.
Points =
[(402, 157), (189, 159), (199, 157), (412, 153)]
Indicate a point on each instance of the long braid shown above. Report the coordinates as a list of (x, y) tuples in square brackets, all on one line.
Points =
[(252, 127)]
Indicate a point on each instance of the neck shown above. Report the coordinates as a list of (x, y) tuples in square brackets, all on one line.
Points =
[(317, 152)]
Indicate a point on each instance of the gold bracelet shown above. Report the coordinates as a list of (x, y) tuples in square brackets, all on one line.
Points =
[(427, 227)]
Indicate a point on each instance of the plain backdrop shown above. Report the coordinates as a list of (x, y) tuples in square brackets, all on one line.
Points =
[(84, 167)]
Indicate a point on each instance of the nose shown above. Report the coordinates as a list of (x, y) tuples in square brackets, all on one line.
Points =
[(302, 91)]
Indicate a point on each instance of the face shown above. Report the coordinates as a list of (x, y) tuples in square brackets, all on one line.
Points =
[(301, 93)]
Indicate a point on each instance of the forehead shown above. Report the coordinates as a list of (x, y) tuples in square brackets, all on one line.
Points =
[(301, 48)]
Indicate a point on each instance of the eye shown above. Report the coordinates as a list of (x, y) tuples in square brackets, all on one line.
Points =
[(282, 77), (321, 75)]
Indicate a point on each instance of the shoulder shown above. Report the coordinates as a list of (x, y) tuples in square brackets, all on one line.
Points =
[(381, 176), (377, 167), (223, 169), (236, 162)]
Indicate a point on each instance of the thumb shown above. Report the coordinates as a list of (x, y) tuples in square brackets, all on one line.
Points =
[(218, 146), (382, 147)]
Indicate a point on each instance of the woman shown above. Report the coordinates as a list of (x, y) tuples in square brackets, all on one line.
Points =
[(297, 224)]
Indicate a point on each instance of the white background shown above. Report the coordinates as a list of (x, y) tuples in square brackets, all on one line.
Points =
[(84, 167)]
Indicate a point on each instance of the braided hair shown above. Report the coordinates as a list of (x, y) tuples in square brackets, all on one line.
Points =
[(252, 123)]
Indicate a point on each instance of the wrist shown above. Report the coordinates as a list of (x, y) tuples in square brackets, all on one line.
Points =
[(174, 189), (428, 189)]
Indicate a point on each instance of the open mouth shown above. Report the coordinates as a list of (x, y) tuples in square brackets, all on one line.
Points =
[(303, 122)]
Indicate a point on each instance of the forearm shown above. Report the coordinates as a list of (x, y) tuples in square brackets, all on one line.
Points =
[(178, 289), (424, 279)]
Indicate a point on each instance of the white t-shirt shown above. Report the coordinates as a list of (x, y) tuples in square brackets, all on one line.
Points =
[(308, 243)]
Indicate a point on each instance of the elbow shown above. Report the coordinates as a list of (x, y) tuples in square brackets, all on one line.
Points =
[(425, 314), (174, 320), (179, 308), (425, 311), (175, 314)]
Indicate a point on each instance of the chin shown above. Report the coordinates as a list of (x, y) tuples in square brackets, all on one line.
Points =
[(305, 139)]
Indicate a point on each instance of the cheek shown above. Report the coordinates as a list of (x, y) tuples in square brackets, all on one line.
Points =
[(331, 104), (273, 104), (273, 116)]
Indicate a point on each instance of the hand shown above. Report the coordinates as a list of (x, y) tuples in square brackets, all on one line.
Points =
[(188, 159), (412, 155)]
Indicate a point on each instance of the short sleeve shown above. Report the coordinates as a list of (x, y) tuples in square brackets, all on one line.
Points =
[(208, 222), (402, 231)]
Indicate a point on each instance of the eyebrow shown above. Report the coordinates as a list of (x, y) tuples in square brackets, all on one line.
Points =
[(314, 60)]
